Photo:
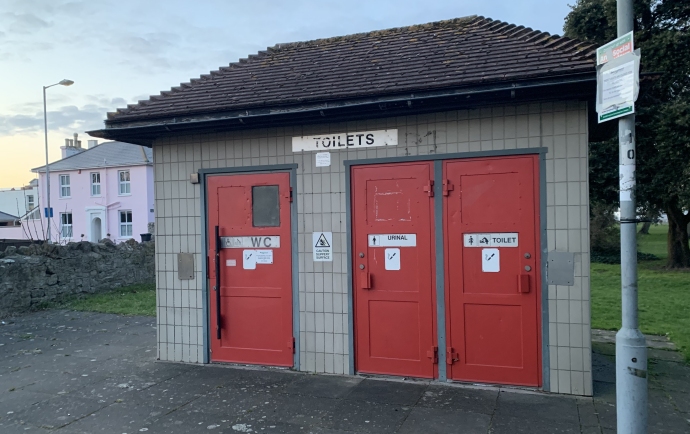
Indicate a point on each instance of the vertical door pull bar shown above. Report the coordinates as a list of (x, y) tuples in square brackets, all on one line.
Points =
[(523, 283), (217, 286)]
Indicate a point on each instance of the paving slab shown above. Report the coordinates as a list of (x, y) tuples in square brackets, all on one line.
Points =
[(460, 398), (388, 392), (369, 417), (435, 420), (73, 372), (323, 386)]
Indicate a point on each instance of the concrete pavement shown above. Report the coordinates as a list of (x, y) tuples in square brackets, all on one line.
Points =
[(74, 372)]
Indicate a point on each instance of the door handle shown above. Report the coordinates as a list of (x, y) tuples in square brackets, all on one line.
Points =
[(523, 283), (217, 285), (364, 279)]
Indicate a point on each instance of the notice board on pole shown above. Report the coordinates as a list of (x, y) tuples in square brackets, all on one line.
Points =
[(618, 78)]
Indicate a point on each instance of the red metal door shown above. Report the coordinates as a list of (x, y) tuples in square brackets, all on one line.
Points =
[(251, 257), (493, 270), (392, 269)]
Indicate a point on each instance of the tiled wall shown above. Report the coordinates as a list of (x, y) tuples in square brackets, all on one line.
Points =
[(561, 127)]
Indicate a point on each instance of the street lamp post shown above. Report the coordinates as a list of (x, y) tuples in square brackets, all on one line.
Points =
[(64, 82)]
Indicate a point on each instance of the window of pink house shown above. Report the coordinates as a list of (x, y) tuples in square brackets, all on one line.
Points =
[(125, 224), (95, 184), (66, 224), (124, 182), (65, 190)]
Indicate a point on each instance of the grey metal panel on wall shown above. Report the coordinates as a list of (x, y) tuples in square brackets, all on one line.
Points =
[(204, 174), (561, 268), (545, 356), (185, 266), (440, 270)]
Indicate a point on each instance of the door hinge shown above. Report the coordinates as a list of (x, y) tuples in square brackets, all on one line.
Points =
[(451, 356), (291, 344), (208, 274), (290, 194), (429, 188), (447, 187), (433, 354)]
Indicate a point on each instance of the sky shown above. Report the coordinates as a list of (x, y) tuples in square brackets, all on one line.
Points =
[(120, 51)]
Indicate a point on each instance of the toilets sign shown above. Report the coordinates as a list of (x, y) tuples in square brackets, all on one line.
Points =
[(502, 239), (348, 140)]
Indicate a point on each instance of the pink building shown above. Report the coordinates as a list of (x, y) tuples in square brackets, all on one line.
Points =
[(105, 191)]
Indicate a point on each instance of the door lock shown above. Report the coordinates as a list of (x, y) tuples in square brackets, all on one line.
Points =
[(527, 256)]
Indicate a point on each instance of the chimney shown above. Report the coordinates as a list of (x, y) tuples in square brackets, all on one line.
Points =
[(93, 143), (72, 146)]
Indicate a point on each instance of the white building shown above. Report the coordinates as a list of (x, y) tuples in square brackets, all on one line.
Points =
[(18, 201)]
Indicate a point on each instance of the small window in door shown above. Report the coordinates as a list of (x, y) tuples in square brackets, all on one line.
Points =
[(265, 206)]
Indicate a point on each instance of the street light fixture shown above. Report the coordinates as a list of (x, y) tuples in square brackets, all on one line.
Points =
[(49, 216)]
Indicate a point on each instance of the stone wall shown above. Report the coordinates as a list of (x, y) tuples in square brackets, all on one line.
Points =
[(40, 273)]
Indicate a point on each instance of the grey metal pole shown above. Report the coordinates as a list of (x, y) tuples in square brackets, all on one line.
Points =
[(631, 348), (45, 128)]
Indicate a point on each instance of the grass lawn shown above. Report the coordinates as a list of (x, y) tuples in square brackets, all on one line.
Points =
[(130, 300), (664, 296)]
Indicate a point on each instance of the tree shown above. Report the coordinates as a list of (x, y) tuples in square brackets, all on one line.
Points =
[(662, 111)]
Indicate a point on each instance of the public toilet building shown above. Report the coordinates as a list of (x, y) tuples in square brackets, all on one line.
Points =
[(410, 202)]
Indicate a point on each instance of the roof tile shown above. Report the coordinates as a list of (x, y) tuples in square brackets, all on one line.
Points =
[(453, 53), (107, 154)]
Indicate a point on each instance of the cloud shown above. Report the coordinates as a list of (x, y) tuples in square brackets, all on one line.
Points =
[(105, 101), (23, 23), (67, 119)]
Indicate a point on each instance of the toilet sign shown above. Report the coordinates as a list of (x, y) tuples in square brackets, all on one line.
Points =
[(392, 240), (323, 246), (260, 242), (502, 239)]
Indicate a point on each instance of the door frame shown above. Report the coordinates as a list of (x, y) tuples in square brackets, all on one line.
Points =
[(103, 214), (290, 169), (439, 242)]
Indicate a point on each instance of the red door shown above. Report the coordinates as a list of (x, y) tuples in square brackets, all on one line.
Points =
[(250, 261), (392, 269), (492, 270)]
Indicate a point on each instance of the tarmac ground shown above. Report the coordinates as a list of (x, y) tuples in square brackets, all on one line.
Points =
[(77, 372)]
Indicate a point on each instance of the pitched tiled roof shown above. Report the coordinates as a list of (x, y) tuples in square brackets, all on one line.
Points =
[(107, 154), (446, 54), (4, 217)]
